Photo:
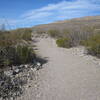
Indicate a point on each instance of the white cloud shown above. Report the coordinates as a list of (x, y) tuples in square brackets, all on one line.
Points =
[(55, 11), (60, 11)]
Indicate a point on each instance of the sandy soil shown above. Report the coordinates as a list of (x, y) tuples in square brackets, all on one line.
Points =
[(68, 75)]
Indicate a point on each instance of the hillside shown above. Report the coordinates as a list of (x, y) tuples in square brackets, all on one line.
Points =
[(76, 22), (78, 31)]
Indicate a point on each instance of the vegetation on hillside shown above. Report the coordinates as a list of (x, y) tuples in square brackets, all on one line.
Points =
[(53, 33), (93, 45), (14, 47), (75, 35), (22, 33), (63, 42)]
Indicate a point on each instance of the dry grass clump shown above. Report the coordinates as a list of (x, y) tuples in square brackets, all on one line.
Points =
[(14, 49), (72, 36), (63, 42), (93, 45)]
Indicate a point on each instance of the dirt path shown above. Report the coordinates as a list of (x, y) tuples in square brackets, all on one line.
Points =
[(66, 76)]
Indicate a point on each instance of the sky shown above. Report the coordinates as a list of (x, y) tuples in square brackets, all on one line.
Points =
[(28, 13)]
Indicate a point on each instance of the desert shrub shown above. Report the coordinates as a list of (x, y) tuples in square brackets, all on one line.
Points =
[(53, 33), (14, 47), (63, 42), (14, 37), (16, 55), (75, 34), (9, 39), (78, 34), (27, 34), (93, 45), (25, 54), (22, 33), (39, 31), (7, 56)]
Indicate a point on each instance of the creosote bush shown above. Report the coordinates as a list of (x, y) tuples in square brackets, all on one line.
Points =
[(22, 33), (53, 33), (14, 47), (73, 34), (93, 45), (63, 42), (25, 54), (16, 55)]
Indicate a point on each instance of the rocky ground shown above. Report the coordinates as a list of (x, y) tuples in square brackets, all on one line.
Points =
[(15, 80), (69, 74)]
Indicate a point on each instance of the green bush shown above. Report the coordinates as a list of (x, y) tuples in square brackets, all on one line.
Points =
[(53, 33), (93, 45), (27, 34), (63, 42), (13, 50), (7, 56), (16, 55), (23, 33), (9, 39), (25, 54)]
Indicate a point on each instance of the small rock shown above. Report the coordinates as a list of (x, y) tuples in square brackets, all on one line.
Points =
[(38, 64), (33, 69), (32, 66), (26, 66), (21, 66), (17, 70), (8, 73)]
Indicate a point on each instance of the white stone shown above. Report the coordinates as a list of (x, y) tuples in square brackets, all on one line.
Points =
[(21, 66), (33, 69), (39, 64), (8, 73), (17, 70), (26, 66)]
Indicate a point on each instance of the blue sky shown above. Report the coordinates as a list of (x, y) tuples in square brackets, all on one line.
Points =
[(27, 13)]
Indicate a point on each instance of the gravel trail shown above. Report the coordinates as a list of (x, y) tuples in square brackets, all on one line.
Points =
[(66, 76)]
